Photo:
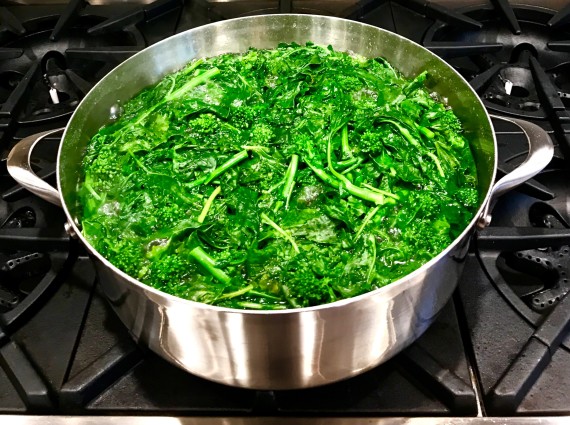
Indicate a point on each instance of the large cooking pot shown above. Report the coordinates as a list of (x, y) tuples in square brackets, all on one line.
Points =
[(292, 348)]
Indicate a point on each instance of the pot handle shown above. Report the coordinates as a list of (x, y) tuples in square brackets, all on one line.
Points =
[(20, 168), (540, 152)]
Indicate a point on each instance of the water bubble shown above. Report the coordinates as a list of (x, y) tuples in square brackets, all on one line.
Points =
[(116, 111)]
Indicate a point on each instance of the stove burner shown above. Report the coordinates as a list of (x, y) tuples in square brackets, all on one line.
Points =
[(53, 72), (497, 59), (538, 276), (521, 93)]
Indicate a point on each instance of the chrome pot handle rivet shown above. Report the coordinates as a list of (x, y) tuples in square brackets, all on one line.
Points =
[(540, 152), (20, 168)]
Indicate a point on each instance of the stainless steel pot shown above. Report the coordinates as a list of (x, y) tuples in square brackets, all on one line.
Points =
[(293, 348)]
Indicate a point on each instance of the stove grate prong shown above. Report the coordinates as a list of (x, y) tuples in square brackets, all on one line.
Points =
[(10, 53), (442, 13), (31, 386), (521, 238), (450, 387), (561, 18), (117, 23), (361, 8), (509, 14), (103, 54), (533, 358), (285, 6), (481, 81), (450, 50), (17, 97), (559, 46), (559, 116), (67, 17), (545, 88), (38, 238), (10, 22), (135, 16), (80, 83)]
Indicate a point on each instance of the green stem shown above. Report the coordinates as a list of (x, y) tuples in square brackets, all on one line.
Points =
[(192, 67), (256, 306), (371, 269), (279, 230), (403, 130), (437, 163), (91, 190), (275, 186), (236, 293), (349, 162), (256, 148), (240, 156), (383, 192), (346, 151), (194, 82), (416, 83), (209, 264), (353, 166), (359, 192), (208, 204), (365, 194), (287, 292), (263, 295), (323, 175), (290, 179), (426, 132), (366, 220), (350, 187)]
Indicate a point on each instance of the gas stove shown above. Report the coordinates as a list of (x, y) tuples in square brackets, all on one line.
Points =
[(501, 346)]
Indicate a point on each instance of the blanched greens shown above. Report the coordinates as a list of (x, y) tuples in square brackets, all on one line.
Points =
[(277, 179)]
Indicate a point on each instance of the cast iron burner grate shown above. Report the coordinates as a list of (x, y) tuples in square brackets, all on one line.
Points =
[(526, 255), (66, 65), (33, 246), (219, 10), (510, 68), (50, 57)]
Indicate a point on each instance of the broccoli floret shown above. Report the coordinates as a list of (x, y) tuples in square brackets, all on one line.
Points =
[(103, 168), (429, 203), (468, 197), (205, 124), (445, 120), (245, 116), (261, 134), (302, 287), (170, 214), (124, 253), (376, 140), (212, 129), (371, 142), (167, 270), (298, 143)]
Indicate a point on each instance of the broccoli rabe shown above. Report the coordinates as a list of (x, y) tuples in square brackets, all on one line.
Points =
[(282, 178)]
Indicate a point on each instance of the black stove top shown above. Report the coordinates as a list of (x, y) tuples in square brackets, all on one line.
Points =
[(500, 347)]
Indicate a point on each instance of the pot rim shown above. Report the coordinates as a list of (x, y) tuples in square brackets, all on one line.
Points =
[(394, 287)]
